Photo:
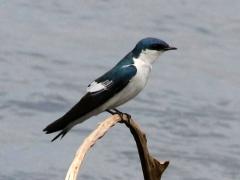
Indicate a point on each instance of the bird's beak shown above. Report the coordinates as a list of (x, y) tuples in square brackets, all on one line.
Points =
[(170, 48)]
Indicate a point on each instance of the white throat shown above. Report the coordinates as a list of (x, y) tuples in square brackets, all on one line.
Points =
[(149, 56)]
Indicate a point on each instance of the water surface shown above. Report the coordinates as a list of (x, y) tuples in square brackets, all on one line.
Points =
[(51, 50)]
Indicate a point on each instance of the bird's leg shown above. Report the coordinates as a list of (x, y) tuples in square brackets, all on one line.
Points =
[(121, 114), (116, 111), (111, 112)]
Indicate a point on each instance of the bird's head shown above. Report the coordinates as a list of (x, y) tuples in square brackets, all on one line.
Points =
[(149, 49)]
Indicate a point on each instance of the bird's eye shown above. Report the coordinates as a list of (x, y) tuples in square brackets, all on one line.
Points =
[(155, 47)]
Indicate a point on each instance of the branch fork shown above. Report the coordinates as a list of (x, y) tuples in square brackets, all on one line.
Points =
[(151, 167)]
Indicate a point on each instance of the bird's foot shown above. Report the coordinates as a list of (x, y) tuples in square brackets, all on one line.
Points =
[(116, 111), (111, 112), (121, 114), (128, 116)]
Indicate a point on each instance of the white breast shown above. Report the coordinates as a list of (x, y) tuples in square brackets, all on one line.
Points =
[(136, 84)]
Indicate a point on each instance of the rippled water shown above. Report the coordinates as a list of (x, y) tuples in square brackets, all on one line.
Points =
[(50, 50)]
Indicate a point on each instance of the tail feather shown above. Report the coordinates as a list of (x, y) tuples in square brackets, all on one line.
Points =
[(62, 134), (58, 125), (55, 126), (63, 125), (84, 109)]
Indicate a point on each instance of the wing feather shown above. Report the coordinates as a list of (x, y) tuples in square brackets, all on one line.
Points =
[(98, 92)]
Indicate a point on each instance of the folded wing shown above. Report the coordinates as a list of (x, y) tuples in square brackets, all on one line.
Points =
[(98, 92)]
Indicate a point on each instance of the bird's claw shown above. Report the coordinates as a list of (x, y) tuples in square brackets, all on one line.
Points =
[(128, 116), (120, 114)]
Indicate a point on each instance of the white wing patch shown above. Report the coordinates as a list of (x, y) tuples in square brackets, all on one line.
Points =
[(95, 86)]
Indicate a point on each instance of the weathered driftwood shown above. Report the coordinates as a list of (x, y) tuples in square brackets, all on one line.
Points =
[(151, 167)]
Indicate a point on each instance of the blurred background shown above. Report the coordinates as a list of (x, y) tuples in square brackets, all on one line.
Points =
[(52, 49)]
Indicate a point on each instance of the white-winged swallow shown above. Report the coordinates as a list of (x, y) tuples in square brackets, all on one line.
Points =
[(114, 88)]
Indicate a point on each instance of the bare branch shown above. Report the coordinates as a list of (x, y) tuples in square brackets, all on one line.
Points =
[(152, 168)]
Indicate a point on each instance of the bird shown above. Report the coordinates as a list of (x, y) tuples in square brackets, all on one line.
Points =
[(114, 88)]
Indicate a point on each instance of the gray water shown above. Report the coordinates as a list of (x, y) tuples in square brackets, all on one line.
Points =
[(52, 49)]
